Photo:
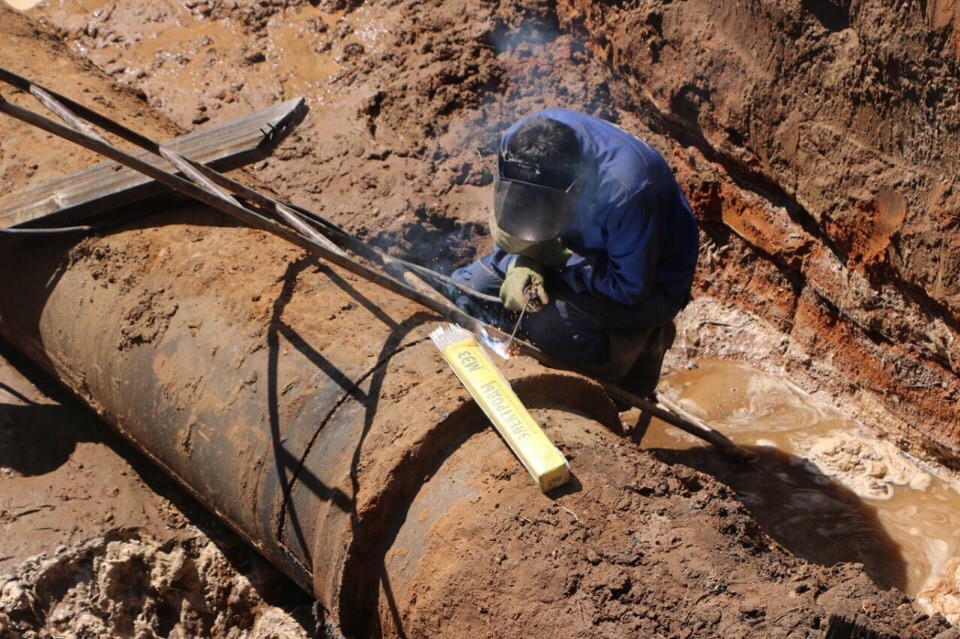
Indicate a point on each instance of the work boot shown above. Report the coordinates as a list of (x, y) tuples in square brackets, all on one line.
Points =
[(643, 352), (644, 375)]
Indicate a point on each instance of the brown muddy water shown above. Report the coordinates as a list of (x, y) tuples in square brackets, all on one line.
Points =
[(824, 487)]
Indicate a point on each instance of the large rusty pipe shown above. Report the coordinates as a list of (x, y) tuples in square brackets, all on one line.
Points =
[(303, 405)]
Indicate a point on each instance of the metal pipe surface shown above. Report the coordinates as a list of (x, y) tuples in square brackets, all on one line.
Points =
[(301, 404)]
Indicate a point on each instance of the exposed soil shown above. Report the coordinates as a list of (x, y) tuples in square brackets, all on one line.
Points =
[(827, 258), (635, 548), (824, 487), (96, 540), (122, 584), (55, 456)]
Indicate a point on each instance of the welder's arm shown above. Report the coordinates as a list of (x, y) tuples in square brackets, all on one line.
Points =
[(626, 273)]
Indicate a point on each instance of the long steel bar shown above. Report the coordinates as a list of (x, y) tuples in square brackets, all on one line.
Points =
[(240, 212), (204, 176), (68, 110), (195, 171), (200, 178), (371, 252), (102, 121), (445, 309), (64, 113)]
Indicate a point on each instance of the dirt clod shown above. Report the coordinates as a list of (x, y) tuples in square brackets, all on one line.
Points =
[(123, 584)]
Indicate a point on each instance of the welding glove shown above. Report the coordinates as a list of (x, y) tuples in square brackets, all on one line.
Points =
[(523, 274)]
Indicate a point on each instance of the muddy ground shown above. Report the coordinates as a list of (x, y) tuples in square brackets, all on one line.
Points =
[(811, 139)]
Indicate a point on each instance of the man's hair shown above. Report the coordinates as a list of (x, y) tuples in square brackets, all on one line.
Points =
[(545, 144)]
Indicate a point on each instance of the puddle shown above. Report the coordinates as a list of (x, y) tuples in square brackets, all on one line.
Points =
[(22, 5), (303, 65), (824, 488)]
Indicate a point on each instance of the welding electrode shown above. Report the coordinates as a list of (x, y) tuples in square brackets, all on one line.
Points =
[(533, 300)]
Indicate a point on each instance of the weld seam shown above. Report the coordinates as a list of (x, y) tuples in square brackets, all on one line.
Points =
[(347, 394)]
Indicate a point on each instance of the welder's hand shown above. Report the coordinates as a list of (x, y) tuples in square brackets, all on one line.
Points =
[(523, 276)]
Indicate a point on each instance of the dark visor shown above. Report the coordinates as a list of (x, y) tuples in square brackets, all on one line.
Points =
[(535, 212)]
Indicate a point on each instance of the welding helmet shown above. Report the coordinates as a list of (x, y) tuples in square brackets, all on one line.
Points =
[(540, 210)]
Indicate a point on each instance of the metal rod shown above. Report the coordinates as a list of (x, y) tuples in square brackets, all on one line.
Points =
[(516, 327), (234, 209), (297, 222), (443, 308), (190, 169), (102, 121), (63, 112), (390, 264), (67, 109), (197, 177), (196, 171), (294, 216), (360, 247), (60, 230), (198, 193), (202, 175), (200, 178)]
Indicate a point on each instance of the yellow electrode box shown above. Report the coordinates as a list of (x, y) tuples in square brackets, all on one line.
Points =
[(545, 463)]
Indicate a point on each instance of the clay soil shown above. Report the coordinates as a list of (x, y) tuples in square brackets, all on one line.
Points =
[(99, 543), (812, 139)]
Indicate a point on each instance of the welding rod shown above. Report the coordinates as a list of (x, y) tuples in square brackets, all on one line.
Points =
[(443, 308)]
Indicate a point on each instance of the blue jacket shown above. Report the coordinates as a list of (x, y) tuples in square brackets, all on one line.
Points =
[(634, 236)]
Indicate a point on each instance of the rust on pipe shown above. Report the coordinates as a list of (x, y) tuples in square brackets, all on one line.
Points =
[(302, 404)]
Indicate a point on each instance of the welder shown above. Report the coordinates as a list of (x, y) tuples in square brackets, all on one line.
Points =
[(594, 238)]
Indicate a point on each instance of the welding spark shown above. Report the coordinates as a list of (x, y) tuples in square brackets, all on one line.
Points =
[(498, 346)]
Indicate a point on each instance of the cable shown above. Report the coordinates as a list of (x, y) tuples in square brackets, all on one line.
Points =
[(64, 230)]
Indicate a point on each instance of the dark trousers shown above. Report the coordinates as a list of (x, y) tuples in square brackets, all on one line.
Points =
[(616, 343)]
